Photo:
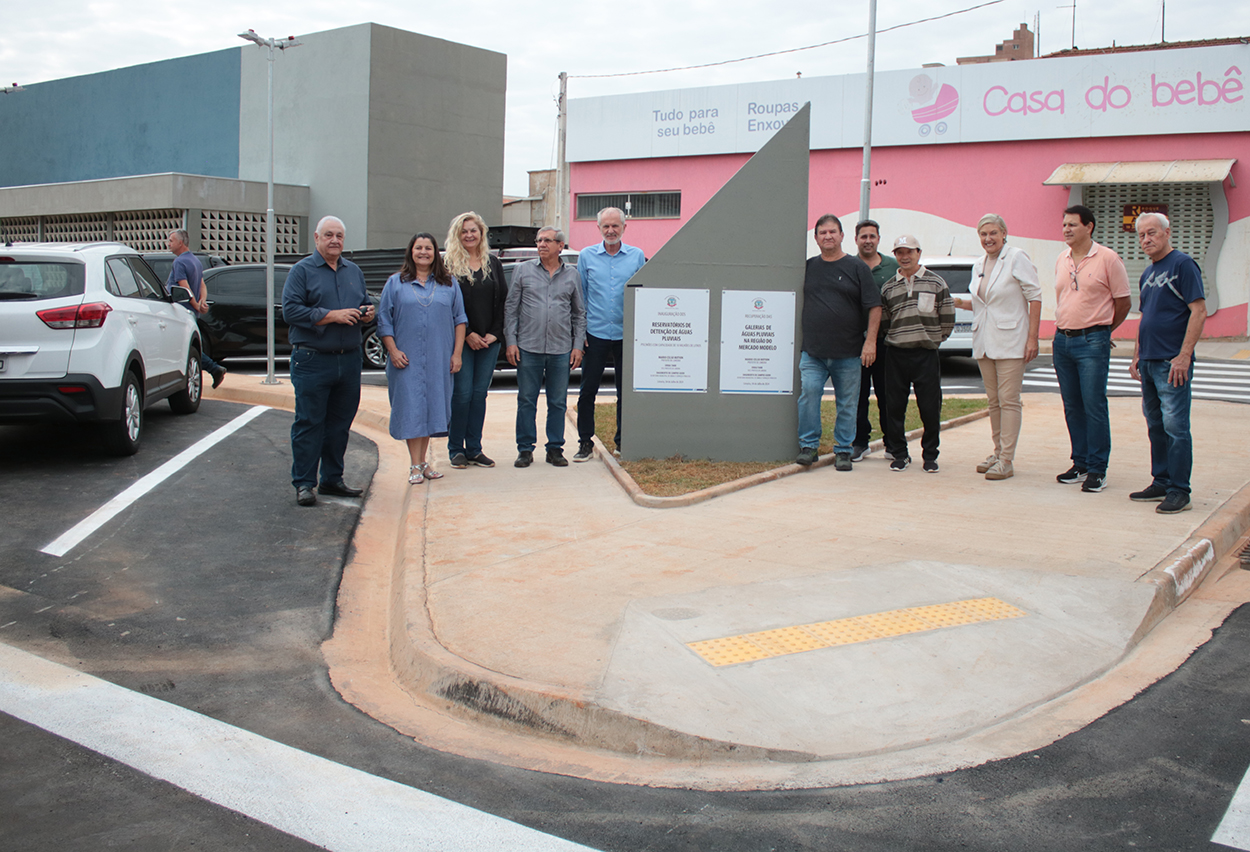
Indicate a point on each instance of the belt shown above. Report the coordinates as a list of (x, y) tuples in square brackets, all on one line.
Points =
[(1081, 332), (325, 351)]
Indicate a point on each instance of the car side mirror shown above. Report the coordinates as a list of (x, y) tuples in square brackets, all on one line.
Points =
[(180, 295)]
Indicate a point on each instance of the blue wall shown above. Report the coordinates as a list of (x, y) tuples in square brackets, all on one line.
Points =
[(180, 115)]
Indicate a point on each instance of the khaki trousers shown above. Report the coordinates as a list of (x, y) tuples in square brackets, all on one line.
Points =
[(1003, 378)]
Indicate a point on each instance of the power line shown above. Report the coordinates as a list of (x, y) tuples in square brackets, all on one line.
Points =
[(791, 50)]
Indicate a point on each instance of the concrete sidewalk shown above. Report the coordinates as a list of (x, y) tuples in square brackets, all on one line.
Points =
[(541, 618)]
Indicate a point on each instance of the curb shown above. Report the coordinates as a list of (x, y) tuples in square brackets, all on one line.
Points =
[(650, 501)]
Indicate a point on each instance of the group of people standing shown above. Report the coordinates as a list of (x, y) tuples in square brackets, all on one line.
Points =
[(443, 318), (868, 321), (872, 321)]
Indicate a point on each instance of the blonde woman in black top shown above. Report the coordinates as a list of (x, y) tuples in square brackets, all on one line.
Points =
[(479, 274)]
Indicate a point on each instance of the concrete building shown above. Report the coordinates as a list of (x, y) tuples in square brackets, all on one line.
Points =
[(1014, 49), (391, 131), (1120, 131)]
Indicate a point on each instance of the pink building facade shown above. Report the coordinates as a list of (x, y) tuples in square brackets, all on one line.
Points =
[(1166, 129)]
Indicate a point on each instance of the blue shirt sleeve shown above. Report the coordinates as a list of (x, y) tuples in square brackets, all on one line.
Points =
[(457, 307)]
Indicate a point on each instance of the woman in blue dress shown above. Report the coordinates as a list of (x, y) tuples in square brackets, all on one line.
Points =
[(421, 322)]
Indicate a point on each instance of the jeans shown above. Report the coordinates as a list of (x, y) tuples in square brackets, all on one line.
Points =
[(595, 359), (1167, 423), (905, 369), (468, 399), (1003, 378), (844, 373), (1081, 365), (327, 394), (873, 377), (532, 368)]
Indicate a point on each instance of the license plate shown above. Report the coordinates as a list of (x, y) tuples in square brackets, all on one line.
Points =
[(1, 365), (963, 326)]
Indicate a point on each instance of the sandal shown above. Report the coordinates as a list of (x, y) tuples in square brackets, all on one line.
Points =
[(430, 473), (414, 475)]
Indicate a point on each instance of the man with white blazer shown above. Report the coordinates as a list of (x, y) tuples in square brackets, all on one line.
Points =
[(1006, 303)]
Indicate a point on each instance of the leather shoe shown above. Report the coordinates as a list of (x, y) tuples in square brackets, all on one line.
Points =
[(339, 489), (305, 496)]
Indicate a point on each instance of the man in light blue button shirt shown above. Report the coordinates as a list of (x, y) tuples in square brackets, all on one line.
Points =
[(604, 270)]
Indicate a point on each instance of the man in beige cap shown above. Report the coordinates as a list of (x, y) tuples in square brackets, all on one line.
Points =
[(918, 314)]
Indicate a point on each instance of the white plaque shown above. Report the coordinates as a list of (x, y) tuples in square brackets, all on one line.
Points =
[(757, 341), (670, 340)]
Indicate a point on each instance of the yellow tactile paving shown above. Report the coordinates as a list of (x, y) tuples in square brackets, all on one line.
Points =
[(749, 647), (1242, 354)]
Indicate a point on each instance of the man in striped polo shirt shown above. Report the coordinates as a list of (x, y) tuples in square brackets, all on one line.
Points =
[(918, 314)]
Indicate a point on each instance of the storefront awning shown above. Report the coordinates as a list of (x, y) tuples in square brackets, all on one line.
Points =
[(1149, 171)]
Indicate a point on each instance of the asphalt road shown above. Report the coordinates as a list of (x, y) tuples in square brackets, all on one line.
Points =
[(214, 592)]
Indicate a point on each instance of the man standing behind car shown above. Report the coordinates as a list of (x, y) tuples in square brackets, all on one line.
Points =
[(324, 302), (544, 324), (604, 269), (188, 274), (883, 267)]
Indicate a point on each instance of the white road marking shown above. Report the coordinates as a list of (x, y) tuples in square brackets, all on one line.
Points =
[(309, 797), (1234, 828), (70, 539)]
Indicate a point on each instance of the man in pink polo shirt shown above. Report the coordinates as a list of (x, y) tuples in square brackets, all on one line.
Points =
[(1092, 296)]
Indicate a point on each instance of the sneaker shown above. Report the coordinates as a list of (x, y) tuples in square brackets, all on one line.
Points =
[(481, 460), (859, 453), (585, 452), (1072, 476), (219, 376), (525, 458), (930, 466), (842, 461), (901, 463), (1175, 502), (988, 463), (1151, 494), (555, 456), (1000, 470), (807, 456), (1094, 482), (459, 461)]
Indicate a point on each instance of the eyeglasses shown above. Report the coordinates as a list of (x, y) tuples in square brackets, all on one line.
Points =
[(546, 240)]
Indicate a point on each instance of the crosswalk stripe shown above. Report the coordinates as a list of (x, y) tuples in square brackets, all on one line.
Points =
[(323, 802)]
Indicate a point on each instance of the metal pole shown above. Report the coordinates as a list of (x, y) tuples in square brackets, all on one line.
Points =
[(269, 241), (562, 182), (865, 185)]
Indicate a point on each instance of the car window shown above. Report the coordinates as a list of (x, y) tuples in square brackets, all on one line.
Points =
[(37, 280), (957, 278), (149, 285), (161, 266), (244, 286), (123, 278)]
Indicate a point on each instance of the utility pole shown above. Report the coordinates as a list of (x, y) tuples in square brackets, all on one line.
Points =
[(562, 180), (270, 225), (865, 181)]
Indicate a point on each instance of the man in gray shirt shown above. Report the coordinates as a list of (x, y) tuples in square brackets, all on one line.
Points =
[(544, 323)]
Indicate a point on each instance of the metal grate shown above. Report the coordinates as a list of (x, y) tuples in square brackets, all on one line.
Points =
[(240, 237), (19, 229), (76, 228), (146, 230), (1189, 211), (637, 205)]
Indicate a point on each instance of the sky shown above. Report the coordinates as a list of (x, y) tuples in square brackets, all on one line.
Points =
[(57, 38)]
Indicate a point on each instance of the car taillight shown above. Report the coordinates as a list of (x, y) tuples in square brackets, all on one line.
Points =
[(76, 316)]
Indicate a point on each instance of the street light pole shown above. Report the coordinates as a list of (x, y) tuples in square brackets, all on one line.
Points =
[(270, 44), (865, 185)]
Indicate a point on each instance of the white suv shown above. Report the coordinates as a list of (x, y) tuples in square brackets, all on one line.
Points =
[(88, 335), (957, 273)]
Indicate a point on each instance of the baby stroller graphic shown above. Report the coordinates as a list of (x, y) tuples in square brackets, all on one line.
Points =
[(944, 104)]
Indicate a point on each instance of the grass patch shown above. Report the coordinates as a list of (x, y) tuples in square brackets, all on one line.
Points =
[(674, 476)]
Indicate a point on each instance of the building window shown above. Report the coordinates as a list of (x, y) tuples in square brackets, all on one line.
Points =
[(637, 205)]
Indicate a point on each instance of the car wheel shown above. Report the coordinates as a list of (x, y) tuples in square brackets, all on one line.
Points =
[(122, 436), (187, 400), (374, 352)]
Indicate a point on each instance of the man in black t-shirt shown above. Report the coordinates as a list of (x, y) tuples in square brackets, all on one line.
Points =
[(841, 314)]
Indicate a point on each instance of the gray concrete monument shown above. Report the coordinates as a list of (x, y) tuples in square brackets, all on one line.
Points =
[(712, 321)]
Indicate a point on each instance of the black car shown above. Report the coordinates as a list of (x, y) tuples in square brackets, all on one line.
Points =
[(162, 262), (235, 324)]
